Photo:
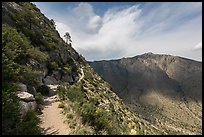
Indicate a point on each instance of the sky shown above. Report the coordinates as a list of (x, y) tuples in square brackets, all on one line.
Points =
[(113, 30)]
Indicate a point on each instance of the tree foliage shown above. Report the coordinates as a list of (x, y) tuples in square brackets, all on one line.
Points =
[(67, 37), (16, 50)]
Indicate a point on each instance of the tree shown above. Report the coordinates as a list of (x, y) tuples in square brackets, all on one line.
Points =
[(67, 37)]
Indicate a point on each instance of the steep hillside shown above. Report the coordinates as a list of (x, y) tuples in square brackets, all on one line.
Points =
[(166, 90), (35, 58)]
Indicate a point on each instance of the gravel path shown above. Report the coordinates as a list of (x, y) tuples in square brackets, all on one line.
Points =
[(82, 75), (52, 121)]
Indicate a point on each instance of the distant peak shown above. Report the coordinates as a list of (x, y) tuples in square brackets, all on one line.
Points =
[(149, 53)]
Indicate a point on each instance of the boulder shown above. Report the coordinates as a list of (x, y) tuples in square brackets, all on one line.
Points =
[(49, 80), (67, 78), (56, 74), (25, 107), (32, 90), (22, 87), (25, 96)]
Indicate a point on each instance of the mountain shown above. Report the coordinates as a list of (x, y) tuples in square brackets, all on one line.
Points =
[(163, 89), (35, 58)]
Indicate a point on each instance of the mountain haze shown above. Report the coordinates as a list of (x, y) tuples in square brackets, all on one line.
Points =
[(166, 90)]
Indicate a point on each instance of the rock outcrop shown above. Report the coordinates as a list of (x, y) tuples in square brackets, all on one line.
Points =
[(25, 107), (25, 96), (27, 100)]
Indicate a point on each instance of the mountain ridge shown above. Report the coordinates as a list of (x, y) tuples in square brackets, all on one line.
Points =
[(147, 53), (150, 80)]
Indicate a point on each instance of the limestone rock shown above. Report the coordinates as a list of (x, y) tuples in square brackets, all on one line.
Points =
[(25, 107), (32, 90), (67, 78), (49, 80), (25, 96), (56, 75)]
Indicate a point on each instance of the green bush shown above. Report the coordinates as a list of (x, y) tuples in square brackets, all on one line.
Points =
[(97, 117), (61, 105), (10, 109), (37, 54), (53, 65), (75, 93), (28, 76), (12, 124), (40, 102), (15, 50), (29, 125), (44, 90), (101, 119), (67, 69), (61, 92), (39, 98)]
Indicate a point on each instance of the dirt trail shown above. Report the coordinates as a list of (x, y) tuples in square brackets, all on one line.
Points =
[(52, 121), (82, 75)]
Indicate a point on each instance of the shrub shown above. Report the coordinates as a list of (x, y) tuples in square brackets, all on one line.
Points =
[(29, 125), (53, 65), (70, 116), (100, 119), (67, 69), (39, 100), (10, 110), (75, 93), (61, 92), (37, 54), (61, 105), (28, 76), (44, 90)]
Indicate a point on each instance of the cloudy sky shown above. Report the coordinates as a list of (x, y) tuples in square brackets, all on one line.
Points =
[(114, 30)]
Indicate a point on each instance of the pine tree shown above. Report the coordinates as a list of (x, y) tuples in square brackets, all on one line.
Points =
[(67, 37)]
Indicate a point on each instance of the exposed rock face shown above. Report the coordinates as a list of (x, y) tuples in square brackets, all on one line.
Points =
[(25, 96), (56, 75), (27, 103), (68, 78), (25, 107), (49, 80), (160, 86), (32, 90)]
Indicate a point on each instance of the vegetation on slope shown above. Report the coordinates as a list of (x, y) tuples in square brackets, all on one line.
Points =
[(100, 108), (14, 47), (163, 89), (32, 50)]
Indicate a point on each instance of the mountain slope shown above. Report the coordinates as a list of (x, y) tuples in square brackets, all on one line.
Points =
[(166, 90), (35, 57)]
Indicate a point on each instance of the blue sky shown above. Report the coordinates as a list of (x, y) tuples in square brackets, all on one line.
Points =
[(112, 30)]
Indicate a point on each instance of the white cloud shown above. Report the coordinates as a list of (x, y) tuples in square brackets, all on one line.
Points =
[(131, 31), (198, 46)]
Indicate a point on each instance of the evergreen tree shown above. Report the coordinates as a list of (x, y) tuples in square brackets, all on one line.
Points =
[(67, 37)]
